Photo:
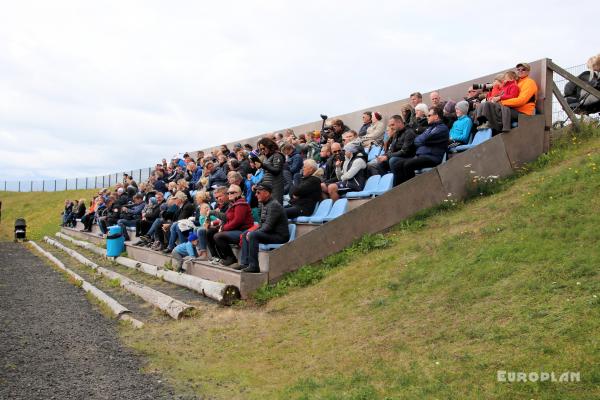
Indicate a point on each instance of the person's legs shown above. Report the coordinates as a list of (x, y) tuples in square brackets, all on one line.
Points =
[(244, 251), (155, 225), (398, 170), (173, 235), (102, 225), (223, 241), (292, 212), (392, 163), (254, 239), (178, 261), (410, 166), (210, 233), (333, 192)]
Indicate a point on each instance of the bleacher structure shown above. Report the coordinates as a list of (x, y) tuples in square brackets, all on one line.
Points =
[(382, 208)]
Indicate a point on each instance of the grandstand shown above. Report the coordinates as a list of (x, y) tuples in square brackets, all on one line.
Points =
[(500, 156)]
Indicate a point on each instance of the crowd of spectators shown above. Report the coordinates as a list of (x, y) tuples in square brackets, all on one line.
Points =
[(245, 195)]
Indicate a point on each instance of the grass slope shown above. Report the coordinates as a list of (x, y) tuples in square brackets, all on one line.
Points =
[(506, 282), (41, 210)]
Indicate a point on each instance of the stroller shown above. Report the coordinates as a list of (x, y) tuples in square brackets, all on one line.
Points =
[(20, 229), (580, 101)]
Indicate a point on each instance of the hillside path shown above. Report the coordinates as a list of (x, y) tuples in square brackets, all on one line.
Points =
[(55, 345)]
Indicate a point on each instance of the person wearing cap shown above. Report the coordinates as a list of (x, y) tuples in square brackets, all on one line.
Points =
[(461, 128), (273, 228), (524, 103), (431, 146), (186, 249), (238, 218), (351, 172)]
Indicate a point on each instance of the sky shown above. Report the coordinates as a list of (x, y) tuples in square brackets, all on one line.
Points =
[(88, 88)]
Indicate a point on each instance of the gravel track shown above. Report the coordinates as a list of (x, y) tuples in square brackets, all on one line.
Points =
[(55, 345)]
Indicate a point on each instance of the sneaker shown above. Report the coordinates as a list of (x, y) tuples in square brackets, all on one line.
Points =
[(228, 261), (215, 261), (167, 250), (239, 267)]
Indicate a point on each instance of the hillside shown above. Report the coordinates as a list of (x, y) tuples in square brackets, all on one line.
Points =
[(507, 282)]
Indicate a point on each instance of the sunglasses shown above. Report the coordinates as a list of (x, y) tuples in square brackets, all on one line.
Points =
[(233, 192)]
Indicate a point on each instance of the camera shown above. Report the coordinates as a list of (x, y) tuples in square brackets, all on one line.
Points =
[(338, 157), (483, 86)]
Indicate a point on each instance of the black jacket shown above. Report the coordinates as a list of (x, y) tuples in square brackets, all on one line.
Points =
[(273, 167), (402, 144), (306, 194), (273, 220)]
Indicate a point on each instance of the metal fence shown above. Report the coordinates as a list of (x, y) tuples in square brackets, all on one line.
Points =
[(557, 112), (140, 175)]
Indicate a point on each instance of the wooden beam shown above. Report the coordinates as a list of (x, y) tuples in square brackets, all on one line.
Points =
[(569, 76), (564, 104)]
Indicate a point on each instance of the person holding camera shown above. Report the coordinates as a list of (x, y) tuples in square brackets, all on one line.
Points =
[(351, 172)]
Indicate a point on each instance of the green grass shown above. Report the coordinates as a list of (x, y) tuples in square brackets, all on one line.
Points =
[(432, 309), (504, 281), (41, 210)]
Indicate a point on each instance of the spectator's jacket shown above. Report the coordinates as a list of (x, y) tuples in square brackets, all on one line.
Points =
[(133, 211), (510, 90), (184, 212), (186, 249), (245, 168), (257, 177), (238, 216), (100, 210), (273, 219), (221, 212), (420, 125), (461, 129), (152, 211), (402, 144), (374, 133), (525, 101), (295, 162), (217, 178), (313, 150), (121, 201), (193, 177), (433, 143), (363, 129), (353, 171), (306, 194), (160, 186), (273, 167), (80, 211), (329, 175)]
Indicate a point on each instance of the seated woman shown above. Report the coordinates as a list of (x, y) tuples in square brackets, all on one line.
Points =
[(351, 172), (305, 196), (88, 219), (461, 129), (375, 132), (238, 219), (420, 122)]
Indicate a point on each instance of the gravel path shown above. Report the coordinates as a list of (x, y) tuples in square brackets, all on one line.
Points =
[(55, 345)]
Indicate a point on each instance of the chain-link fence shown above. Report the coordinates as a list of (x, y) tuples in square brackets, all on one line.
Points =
[(140, 175)]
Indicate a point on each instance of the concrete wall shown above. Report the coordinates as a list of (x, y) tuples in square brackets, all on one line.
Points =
[(539, 72), (499, 156)]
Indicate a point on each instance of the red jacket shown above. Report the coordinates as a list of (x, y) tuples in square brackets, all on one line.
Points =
[(510, 90), (239, 216)]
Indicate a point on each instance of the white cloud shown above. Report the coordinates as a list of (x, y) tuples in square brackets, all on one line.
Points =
[(91, 88)]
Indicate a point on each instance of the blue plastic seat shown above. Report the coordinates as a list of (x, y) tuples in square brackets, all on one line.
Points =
[(370, 187), (480, 137), (374, 151), (322, 211), (385, 183), (313, 213), (273, 246), (338, 208)]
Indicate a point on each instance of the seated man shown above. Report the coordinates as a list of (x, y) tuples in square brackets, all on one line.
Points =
[(307, 193), (400, 145), (351, 172), (131, 214), (216, 176), (273, 229), (375, 131), (334, 155), (431, 147)]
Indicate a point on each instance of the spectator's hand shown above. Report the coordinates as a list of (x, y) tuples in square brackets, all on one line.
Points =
[(382, 158), (165, 227), (249, 176), (338, 163), (330, 141)]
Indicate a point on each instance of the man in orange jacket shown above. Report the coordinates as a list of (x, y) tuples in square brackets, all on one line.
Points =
[(525, 102)]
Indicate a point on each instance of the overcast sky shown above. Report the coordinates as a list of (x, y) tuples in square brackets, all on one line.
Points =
[(88, 88)]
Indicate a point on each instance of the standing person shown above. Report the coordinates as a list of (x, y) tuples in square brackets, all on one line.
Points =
[(273, 229), (273, 167)]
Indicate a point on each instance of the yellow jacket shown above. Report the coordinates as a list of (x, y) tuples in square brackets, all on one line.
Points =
[(525, 102)]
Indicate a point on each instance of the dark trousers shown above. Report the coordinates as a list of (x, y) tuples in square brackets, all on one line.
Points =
[(221, 243), (405, 168), (143, 227), (249, 254), (210, 238), (295, 211), (87, 221)]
